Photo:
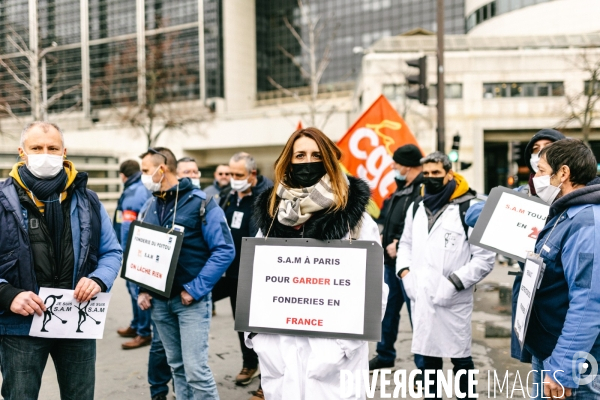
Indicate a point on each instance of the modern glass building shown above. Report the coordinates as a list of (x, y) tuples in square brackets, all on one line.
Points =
[(95, 54)]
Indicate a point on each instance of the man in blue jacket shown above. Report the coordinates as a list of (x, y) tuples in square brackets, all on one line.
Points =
[(541, 139), (55, 233), (564, 326), (183, 320), (130, 203)]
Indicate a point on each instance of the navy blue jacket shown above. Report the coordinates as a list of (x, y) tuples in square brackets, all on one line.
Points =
[(207, 248), (132, 200), (16, 259)]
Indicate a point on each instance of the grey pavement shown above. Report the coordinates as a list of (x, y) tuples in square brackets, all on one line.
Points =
[(121, 374)]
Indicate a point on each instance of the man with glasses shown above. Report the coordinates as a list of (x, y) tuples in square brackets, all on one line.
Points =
[(183, 319), (220, 187), (187, 168)]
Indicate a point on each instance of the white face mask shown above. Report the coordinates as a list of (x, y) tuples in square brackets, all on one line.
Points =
[(544, 189), (534, 161), (44, 166), (149, 183), (195, 182), (240, 185)]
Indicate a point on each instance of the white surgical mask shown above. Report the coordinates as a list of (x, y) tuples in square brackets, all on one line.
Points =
[(534, 161), (544, 189), (195, 182), (44, 166), (240, 185), (150, 184)]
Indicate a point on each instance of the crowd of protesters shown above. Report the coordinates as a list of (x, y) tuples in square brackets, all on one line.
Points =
[(57, 234)]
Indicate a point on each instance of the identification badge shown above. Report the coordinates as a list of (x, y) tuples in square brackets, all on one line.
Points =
[(236, 220), (119, 217), (178, 228), (532, 277)]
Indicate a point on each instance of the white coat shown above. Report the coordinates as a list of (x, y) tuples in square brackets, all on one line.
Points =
[(441, 315), (303, 368)]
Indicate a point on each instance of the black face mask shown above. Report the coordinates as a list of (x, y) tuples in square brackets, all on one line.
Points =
[(307, 174), (434, 185)]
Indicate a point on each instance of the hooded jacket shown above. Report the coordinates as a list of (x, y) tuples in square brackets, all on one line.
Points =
[(17, 256), (564, 317)]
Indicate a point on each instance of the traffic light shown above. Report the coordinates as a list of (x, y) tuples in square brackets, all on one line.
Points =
[(515, 155), (420, 79), (453, 155)]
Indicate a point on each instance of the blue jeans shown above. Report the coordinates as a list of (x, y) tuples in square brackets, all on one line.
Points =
[(23, 359), (159, 372), (142, 319), (386, 351), (184, 334), (591, 391)]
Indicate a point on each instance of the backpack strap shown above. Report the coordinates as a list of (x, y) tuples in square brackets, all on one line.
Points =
[(462, 209), (205, 206)]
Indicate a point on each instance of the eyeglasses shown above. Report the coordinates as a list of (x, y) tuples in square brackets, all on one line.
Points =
[(152, 151)]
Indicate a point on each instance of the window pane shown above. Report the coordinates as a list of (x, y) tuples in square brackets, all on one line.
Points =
[(558, 89), (515, 90), (542, 89), (528, 89)]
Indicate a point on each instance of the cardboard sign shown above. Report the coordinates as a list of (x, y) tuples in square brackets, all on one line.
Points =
[(532, 276), (66, 318), (151, 257), (308, 287), (510, 223)]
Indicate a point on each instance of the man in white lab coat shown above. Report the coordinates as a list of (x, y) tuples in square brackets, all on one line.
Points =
[(439, 268)]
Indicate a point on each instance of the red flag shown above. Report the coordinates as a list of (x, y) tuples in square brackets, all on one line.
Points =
[(368, 146)]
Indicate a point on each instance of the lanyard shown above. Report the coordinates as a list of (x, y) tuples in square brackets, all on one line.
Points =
[(550, 234)]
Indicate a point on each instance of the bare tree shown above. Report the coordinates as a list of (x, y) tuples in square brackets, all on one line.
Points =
[(32, 77), (166, 76), (582, 106), (313, 70)]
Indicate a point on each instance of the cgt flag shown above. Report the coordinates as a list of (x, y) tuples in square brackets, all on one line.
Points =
[(368, 146)]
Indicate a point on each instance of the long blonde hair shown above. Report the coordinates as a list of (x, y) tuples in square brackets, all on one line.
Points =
[(330, 155)]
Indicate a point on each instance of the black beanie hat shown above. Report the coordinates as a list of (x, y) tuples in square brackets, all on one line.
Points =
[(548, 134), (408, 155)]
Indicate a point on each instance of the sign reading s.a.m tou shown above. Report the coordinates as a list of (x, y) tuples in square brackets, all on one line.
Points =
[(510, 223), (311, 288)]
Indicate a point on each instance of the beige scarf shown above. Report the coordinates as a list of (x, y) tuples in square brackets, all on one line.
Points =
[(298, 204)]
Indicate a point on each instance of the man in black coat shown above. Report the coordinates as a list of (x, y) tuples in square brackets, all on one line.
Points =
[(409, 178), (246, 184)]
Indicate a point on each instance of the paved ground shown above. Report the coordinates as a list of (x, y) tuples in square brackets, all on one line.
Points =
[(122, 374)]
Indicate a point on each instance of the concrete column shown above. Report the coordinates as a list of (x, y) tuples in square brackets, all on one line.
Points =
[(85, 57)]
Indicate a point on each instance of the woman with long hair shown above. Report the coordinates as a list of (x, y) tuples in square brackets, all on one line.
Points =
[(312, 198)]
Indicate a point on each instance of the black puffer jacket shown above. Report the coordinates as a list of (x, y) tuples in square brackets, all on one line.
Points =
[(322, 225)]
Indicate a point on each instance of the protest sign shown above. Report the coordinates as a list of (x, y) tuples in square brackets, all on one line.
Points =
[(510, 223), (532, 275), (66, 318), (308, 287), (151, 257)]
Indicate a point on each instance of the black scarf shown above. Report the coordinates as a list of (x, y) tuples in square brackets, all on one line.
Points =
[(434, 202), (48, 192)]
